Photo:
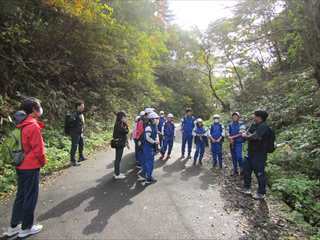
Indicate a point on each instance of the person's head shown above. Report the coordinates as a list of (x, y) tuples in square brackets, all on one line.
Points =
[(260, 116), (80, 106), (161, 113), (199, 122), (216, 118), (170, 117), (235, 116), (137, 119), (32, 106), (121, 117), (153, 118), (188, 111)]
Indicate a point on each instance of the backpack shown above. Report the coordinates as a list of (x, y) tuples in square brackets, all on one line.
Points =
[(14, 146), (68, 123), (270, 141)]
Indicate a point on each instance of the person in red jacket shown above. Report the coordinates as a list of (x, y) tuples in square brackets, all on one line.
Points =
[(28, 172)]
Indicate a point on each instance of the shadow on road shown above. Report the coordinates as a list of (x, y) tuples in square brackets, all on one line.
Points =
[(108, 197)]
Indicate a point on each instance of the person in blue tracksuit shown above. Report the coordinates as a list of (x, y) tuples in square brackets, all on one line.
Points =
[(217, 134), (162, 120), (187, 125), (168, 133), (236, 142), (201, 135), (150, 141)]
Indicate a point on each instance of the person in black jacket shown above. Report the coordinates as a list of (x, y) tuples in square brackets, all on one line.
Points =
[(76, 133), (120, 133)]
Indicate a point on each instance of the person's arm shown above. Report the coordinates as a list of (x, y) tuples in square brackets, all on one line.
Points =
[(148, 136), (194, 132), (37, 145), (259, 133)]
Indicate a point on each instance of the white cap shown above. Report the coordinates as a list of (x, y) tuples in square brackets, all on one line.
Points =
[(161, 112), (216, 116), (142, 113), (236, 113), (153, 115), (137, 118), (170, 115), (199, 120), (149, 110)]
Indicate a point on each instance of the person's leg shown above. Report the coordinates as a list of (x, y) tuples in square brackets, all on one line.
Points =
[(81, 146), (196, 154), (136, 152), (190, 138), (119, 153), (164, 146), (234, 158), (17, 210), (170, 143), (259, 170), (214, 155), (238, 152), (74, 145), (219, 154), (183, 145), (202, 149), (149, 164), (31, 191), (247, 167)]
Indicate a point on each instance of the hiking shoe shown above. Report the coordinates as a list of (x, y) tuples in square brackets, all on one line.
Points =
[(12, 231), (120, 176), (28, 232), (259, 196), (247, 191)]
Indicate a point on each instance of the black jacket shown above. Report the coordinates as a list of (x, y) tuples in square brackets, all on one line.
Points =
[(77, 123), (257, 143), (120, 131)]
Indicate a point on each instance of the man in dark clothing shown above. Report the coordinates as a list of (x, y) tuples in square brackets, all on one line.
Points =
[(257, 137), (76, 133)]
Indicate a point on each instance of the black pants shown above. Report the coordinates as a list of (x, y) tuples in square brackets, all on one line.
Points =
[(76, 140), (256, 163), (26, 198), (119, 153)]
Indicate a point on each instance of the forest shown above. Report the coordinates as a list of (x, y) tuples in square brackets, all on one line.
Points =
[(128, 55)]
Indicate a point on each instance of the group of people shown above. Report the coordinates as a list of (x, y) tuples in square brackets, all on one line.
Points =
[(152, 134)]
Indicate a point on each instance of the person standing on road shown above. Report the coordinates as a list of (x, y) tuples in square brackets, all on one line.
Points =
[(217, 134), (236, 142), (168, 133), (187, 126), (120, 136), (200, 134), (261, 141), (150, 142), (137, 137), (162, 120), (28, 172), (76, 133)]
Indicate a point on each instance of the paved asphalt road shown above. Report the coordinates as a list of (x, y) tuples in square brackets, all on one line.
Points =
[(85, 202)]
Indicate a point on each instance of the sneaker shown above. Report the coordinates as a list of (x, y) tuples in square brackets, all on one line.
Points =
[(27, 232), (200, 163), (182, 157), (12, 231), (120, 176), (189, 156), (75, 164), (259, 196), (161, 157), (81, 159), (138, 167), (150, 181), (141, 179), (247, 191), (167, 158)]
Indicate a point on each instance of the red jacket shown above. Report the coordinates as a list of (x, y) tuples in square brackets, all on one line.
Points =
[(32, 143)]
